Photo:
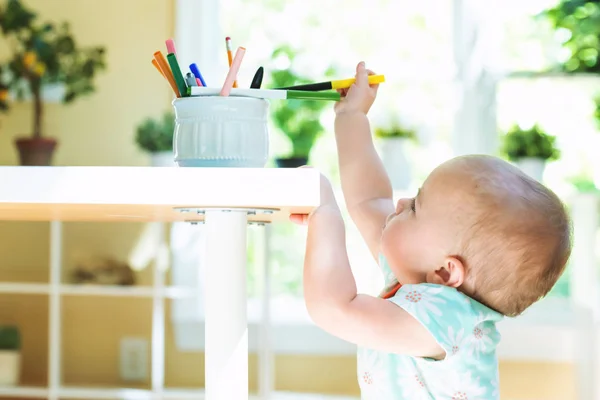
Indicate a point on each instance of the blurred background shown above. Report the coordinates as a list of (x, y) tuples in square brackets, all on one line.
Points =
[(517, 79)]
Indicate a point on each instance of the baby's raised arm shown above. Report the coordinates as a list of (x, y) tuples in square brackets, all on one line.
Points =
[(366, 186)]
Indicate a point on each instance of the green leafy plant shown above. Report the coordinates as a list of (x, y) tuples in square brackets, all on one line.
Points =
[(156, 135), (396, 131), (299, 120), (41, 54), (10, 338), (581, 19), (530, 143)]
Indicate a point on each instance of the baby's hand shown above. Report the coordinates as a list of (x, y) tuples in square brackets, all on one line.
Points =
[(327, 199), (360, 96)]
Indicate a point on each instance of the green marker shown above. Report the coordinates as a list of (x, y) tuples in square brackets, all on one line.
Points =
[(304, 95), (181, 86)]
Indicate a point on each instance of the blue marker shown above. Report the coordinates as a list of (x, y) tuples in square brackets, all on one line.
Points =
[(197, 74)]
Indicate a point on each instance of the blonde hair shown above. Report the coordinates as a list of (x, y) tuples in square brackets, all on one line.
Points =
[(520, 239)]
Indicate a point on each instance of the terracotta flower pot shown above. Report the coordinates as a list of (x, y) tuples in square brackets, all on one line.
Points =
[(35, 151)]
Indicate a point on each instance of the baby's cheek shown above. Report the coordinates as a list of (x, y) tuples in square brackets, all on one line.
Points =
[(392, 243)]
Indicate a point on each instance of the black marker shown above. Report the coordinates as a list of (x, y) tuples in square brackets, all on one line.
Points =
[(257, 80)]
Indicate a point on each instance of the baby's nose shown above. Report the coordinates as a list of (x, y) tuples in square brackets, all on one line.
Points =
[(401, 205)]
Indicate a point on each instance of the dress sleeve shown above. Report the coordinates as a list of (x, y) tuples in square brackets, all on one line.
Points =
[(458, 323)]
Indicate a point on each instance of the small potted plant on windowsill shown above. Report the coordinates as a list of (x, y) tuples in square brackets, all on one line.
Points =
[(530, 149), (156, 137), (10, 355), (394, 140), (42, 54), (299, 120)]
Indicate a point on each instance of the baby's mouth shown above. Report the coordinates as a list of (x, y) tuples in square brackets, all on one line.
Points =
[(389, 218)]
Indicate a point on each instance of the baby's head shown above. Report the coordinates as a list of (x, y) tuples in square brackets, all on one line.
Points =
[(481, 225)]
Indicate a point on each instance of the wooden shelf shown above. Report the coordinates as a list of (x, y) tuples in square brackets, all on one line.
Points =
[(97, 393), (97, 290)]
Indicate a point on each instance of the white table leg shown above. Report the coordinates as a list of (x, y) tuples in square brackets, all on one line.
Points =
[(226, 354), (265, 353)]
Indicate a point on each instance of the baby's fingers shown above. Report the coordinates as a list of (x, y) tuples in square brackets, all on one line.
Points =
[(300, 219), (343, 92)]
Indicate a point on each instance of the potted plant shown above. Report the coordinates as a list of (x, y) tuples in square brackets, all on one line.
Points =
[(530, 149), (156, 137), (299, 120), (42, 54), (394, 139), (10, 355)]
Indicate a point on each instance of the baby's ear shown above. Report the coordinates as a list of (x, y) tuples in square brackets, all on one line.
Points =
[(452, 273)]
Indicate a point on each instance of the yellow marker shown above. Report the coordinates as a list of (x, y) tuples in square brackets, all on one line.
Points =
[(346, 83), (338, 84)]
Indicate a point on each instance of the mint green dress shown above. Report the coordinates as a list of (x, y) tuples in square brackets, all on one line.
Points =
[(464, 328)]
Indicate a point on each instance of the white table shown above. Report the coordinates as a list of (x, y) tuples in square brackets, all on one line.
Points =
[(224, 199)]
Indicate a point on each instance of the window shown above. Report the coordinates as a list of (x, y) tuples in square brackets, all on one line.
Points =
[(410, 44), (562, 104)]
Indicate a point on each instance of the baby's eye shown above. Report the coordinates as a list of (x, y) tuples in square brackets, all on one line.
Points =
[(413, 205)]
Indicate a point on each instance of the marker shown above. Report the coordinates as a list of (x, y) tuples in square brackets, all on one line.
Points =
[(273, 94), (155, 63), (177, 74), (257, 80), (164, 67), (233, 71), (170, 46), (338, 84), (190, 79), (197, 74), (229, 56)]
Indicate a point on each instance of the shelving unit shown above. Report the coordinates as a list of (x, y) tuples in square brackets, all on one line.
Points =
[(72, 393), (96, 290), (226, 201)]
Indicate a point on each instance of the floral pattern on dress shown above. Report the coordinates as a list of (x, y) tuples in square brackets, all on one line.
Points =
[(412, 382), (421, 302), (463, 385), (480, 340), (373, 375), (462, 326), (453, 342)]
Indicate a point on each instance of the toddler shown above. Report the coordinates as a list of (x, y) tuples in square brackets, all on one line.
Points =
[(481, 240)]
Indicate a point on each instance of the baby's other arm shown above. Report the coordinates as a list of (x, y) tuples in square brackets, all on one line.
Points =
[(333, 302)]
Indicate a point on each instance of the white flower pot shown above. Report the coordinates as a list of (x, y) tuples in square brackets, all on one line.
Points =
[(10, 367), (534, 167), (393, 155), (162, 159)]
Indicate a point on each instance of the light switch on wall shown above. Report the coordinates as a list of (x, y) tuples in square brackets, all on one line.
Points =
[(134, 359)]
